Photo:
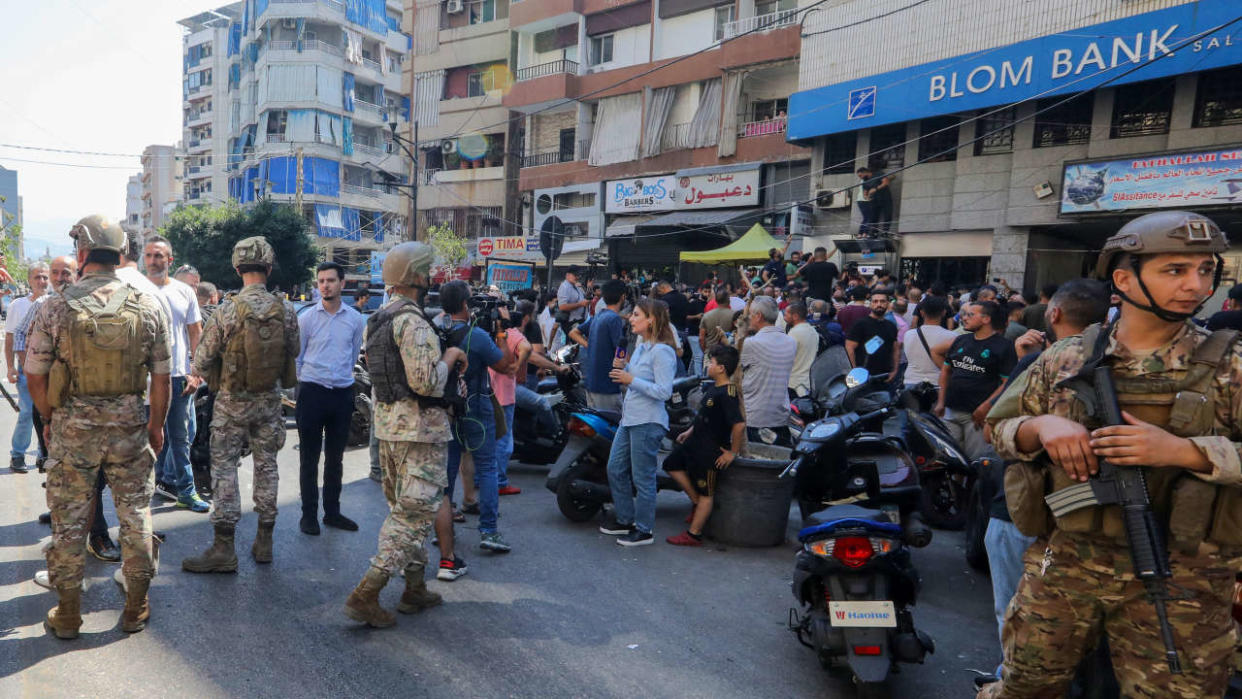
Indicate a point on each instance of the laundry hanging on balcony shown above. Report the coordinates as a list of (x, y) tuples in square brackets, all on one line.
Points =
[(353, 46), (615, 139), (348, 84)]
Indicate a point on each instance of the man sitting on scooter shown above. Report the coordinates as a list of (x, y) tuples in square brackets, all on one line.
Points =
[(711, 443)]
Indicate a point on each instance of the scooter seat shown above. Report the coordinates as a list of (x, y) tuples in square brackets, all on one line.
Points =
[(685, 383), (827, 521), (547, 385), (837, 512), (610, 415)]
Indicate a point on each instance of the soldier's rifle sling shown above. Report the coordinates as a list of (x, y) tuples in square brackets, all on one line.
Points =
[(9, 397)]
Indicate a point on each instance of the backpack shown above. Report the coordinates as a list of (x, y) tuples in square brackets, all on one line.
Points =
[(106, 348), (255, 359)]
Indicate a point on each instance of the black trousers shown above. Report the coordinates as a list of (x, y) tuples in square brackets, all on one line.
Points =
[(323, 424), (99, 525), (38, 430)]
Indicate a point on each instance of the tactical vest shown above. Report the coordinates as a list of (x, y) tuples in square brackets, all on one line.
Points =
[(255, 359), (106, 354), (387, 369), (1192, 509)]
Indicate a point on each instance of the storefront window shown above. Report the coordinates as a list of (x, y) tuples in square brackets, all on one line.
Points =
[(888, 147), (1143, 109), (994, 132), (938, 139), (1062, 123), (839, 153), (1218, 101)]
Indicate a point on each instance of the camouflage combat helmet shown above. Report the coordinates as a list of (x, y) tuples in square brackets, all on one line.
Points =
[(407, 260), (1159, 233), (253, 251), (98, 232)]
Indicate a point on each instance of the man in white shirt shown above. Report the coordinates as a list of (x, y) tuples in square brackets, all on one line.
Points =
[(38, 279), (767, 361), (174, 475), (808, 347), (922, 363)]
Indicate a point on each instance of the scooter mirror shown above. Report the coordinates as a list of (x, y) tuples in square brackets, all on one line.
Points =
[(857, 377)]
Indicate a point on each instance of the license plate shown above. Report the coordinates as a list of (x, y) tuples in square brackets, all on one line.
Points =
[(855, 614)]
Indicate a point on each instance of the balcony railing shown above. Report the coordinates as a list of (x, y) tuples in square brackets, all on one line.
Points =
[(762, 128), (427, 176), (333, 5), (676, 137), (759, 23), (312, 45), (362, 190), (370, 147), (551, 156), (543, 69), (372, 64), (193, 143), (373, 109)]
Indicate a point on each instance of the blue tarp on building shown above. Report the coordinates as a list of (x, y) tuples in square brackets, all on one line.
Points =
[(367, 13), (260, 6), (351, 222), (328, 221), (234, 39), (348, 86), (347, 136)]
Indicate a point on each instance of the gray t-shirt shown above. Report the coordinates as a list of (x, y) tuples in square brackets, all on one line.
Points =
[(570, 293)]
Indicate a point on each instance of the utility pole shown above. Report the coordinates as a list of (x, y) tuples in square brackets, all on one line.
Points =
[(297, 197), (414, 179)]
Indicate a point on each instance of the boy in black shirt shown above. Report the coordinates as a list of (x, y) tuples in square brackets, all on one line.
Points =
[(714, 440)]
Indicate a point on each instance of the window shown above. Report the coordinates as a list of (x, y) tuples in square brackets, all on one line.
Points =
[(1143, 109), (1218, 101), (476, 84), (276, 122), (601, 49), (482, 11), (888, 147), (205, 51), (724, 15), (994, 132), (1067, 124), (761, 110), (573, 200), (839, 152), (938, 139)]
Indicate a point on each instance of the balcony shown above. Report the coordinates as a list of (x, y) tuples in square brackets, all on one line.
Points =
[(562, 66), (551, 156), (761, 128), (373, 111), (312, 45), (362, 190), (369, 147), (676, 137), (760, 23)]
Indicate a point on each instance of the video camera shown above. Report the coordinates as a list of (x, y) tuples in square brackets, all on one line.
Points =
[(485, 311)]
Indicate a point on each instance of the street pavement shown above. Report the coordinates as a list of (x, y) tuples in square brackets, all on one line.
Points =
[(566, 614)]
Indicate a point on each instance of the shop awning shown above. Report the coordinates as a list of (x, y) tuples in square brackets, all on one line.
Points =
[(751, 247), (626, 225), (705, 219)]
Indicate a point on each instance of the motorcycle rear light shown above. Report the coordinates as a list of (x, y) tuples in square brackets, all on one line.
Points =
[(867, 650), (580, 428), (881, 546), (920, 460), (823, 547), (852, 551)]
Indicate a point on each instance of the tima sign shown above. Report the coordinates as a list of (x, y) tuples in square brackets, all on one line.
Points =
[(1059, 64)]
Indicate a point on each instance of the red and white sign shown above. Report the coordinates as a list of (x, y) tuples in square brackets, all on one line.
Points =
[(485, 246), (880, 613)]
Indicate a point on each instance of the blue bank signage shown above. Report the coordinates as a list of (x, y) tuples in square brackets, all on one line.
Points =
[(1058, 64), (1170, 180)]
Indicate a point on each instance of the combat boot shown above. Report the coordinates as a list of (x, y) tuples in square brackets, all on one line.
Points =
[(417, 597), (65, 619), (363, 603), (219, 558), (262, 548), (137, 609)]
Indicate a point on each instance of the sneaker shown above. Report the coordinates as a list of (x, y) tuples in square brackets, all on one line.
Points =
[(458, 516), (614, 528), (470, 508), (40, 464), (193, 503), (493, 542), (165, 491), (685, 539), (101, 547), (42, 580), (509, 490), (451, 570), (636, 538), (340, 521), (18, 464), (45, 518)]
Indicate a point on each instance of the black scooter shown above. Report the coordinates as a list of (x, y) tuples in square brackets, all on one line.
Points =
[(858, 491), (534, 443)]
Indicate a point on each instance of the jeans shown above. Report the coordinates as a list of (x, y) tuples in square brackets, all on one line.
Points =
[(1005, 546), (530, 401), (478, 431), (632, 467), (323, 422), (504, 448), (21, 433), (696, 364), (173, 463)]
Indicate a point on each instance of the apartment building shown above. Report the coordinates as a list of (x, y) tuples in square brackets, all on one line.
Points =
[(10, 205), (655, 127), (133, 204), (161, 185), (458, 76), (1031, 131), (204, 91), (311, 90)]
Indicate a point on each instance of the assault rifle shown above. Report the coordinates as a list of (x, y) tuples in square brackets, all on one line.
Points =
[(1127, 487), (9, 397)]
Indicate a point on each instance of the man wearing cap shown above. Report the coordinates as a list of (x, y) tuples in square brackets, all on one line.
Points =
[(89, 356), (570, 300), (247, 351), (1178, 387), (409, 374)]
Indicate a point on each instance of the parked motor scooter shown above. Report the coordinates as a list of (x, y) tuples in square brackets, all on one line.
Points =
[(534, 443)]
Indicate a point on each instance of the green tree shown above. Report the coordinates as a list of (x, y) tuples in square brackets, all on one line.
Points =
[(12, 260), (450, 249), (205, 236)]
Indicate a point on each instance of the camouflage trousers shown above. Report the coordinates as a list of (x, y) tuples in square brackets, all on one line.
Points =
[(414, 493), (1080, 586), (237, 420), (76, 452)]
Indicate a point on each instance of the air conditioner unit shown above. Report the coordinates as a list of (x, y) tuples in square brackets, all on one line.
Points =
[(454, 6), (289, 23), (448, 145), (831, 199)]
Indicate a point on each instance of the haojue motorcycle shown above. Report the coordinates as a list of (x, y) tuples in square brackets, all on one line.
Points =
[(858, 492)]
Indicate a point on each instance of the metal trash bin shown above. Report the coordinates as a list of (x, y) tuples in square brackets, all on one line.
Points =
[(751, 505)]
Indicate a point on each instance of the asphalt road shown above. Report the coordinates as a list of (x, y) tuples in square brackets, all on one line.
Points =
[(567, 613)]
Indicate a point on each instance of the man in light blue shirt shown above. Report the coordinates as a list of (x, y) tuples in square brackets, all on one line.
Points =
[(331, 334)]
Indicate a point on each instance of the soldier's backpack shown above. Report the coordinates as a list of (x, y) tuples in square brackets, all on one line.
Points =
[(105, 347), (255, 359)]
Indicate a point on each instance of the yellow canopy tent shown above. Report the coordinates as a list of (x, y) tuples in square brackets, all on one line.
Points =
[(751, 247)]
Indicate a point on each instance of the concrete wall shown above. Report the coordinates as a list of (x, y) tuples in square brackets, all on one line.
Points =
[(546, 131)]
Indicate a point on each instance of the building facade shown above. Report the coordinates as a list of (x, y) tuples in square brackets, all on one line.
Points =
[(11, 207), (311, 92), (1021, 134), (133, 204), (161, 185), (204, 95)]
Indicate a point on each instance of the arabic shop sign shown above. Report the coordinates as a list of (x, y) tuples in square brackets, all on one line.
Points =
[(1076, 60), (671, 193), (1171, 180)]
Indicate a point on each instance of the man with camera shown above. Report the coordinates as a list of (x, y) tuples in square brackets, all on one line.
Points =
[(476, 431)]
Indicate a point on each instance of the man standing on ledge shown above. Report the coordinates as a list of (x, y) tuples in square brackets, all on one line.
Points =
[(331, 335)]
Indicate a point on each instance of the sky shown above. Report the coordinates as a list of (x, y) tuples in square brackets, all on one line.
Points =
[(88, 75)]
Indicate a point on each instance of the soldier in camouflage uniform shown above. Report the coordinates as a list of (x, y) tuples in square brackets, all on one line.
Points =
[(1181, 390), (88, 357), (248, 347), (409, 373)]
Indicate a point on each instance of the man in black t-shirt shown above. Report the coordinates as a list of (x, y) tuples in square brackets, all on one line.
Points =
[(872, 341), (711, 443), (975, 369), (774, 271), (878, 212), (678, 304), (1230, 319), (819, 275)]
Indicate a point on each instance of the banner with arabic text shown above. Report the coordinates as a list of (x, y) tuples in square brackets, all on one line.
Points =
[(672, 193), (1166, 181)]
